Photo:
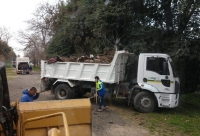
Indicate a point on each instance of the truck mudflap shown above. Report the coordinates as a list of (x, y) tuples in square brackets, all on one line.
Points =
[(44, 85), (133, 91), (167, 100)]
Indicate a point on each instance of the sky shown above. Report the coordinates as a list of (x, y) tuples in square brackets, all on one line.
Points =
[(14, 13)]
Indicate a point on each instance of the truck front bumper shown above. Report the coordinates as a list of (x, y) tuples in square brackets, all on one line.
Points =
[(167, 100)]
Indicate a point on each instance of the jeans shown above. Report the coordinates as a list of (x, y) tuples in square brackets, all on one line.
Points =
[(101, 102)]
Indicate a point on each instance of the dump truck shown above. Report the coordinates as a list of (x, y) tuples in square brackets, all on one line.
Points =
[(22, 65), (43, 118), (156, 84)]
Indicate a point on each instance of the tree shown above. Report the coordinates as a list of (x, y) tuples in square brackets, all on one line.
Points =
[(6, 51), (4, 48), (5, 34), (38, 34), (33, 48), (41, 23), (163, 26), (88, 26), (76, 29)]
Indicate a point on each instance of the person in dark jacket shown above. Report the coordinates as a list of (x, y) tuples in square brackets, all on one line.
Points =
[(25, 68), (101, 91), (29, 95), (30, 69)]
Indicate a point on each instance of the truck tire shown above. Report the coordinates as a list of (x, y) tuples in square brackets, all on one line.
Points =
[(63, 91), (145, 102)]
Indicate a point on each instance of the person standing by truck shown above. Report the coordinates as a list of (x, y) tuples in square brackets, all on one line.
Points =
[(24, 70), (29, 95), (101, 91), (30, 69)]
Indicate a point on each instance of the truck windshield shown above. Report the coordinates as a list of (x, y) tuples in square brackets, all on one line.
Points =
[(173, 68)]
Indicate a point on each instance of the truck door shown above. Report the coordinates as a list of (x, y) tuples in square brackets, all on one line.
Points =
[(157, 74)]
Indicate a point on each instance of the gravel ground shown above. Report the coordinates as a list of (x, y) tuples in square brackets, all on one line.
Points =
[(111, 122)]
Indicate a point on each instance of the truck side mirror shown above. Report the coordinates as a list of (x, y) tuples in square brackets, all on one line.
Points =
[(165, 68)]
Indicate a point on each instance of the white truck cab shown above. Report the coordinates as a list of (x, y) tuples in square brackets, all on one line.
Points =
[(157, 83)]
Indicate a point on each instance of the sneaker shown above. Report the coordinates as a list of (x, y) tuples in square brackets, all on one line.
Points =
[(99, 110), (105, 107)]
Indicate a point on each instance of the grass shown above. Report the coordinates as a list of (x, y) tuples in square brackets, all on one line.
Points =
[(11, 74), (36, 69), (8, 65), (182, 120)]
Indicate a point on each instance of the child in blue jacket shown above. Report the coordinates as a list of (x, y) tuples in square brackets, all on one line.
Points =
[(101, 91)]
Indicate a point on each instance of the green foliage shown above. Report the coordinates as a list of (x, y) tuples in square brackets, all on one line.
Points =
[(61, 46), (4, 48), (36, 69), (167, 26)]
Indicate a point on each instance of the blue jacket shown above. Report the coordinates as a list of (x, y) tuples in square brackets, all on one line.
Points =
[(100, 88), (28, 98), (30, 68)]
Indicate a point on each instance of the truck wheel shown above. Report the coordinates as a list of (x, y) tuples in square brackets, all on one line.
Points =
[(144, 102), (63, 91)]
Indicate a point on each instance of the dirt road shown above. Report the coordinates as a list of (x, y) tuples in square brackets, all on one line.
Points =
[(112, 122)]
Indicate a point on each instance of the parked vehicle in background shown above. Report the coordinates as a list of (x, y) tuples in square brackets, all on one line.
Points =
[(22, 65), (156, 84)]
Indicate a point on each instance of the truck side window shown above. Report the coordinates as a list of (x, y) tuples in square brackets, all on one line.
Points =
[(157, 65)]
